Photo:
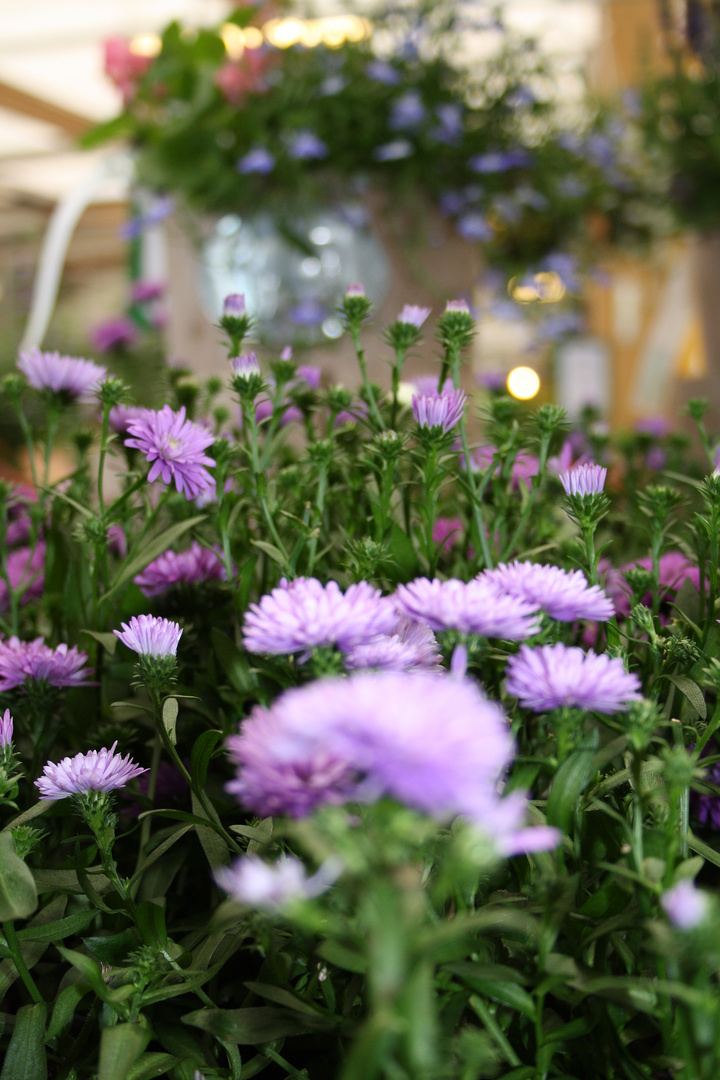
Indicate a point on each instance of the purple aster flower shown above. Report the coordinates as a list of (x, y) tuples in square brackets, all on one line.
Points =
[(443, 410), (306, 146), (479, 607), (121, 416), (6, 729), (407, 111), (497, 161), (255, 883), (474, 226), (412, 647), (584, 480), (144, 292), (116, 333), (148, 635), (197, 564), (258, 160), (309, 374), (394, 151), (25, 568), (684, 905), (554, 676), (458, 305), (563, 594), (437, 745), (25, 661), (245, 367), (354, 291), (234, 305), (414, 315), (64, 375), (382, 72), (426, 385), (175, 447), (304, 614), (98, 770)]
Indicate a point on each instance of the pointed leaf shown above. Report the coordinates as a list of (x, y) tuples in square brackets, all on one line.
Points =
[(26, 1058), (570, 781), (120, 1047), (169, 719), (18, 894), (202, 752), (692, 692), (150, 550), (252, 1026)]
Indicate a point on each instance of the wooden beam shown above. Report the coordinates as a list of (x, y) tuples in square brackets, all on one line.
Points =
[(20, 101)]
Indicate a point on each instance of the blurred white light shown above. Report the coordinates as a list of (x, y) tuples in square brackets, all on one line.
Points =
[(523, 383)]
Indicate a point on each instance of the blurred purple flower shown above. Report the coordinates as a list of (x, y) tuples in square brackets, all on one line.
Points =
[(525, 466), (555, 676), (435, 744), (67, 376), (6, 729), (306, 146), (255, 883), (452, 203), (307, 313), (564, 595), (122, 415), (394, 151), (144, 292), (191, 567), (447, 533), (474, 226), (478, 607), (175, 447), (685, 905), (411, 647), (407, 111), (25, 568), (309, 374), (116, 333), (500, 161), (414, 315), (25, 661), (258, 160), (98, 770), (305, 614), (382, 72)]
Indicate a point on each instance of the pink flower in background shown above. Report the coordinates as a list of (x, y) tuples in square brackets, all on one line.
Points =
[(23, 661), (121, 416), (238, 78), (124, 66), (196, 564), (116, 333), (674, 569), (144, 292), (447, 533), (24, 570), (524, 467)]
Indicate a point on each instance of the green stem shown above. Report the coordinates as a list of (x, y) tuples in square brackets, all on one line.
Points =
[(22, 969), (152, 785), (530, 505), (495, 1030), (319, 508), (372, 404), (396, 372), (588, 532), (53, 417)]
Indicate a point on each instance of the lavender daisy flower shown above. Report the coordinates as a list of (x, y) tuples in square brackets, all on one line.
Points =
[(175, 447), (458, 305), (197, 564), (437, 745), (255, 883), (555, 676), (441, 411), (24, 662), (414, 315), (67, 376), (148, 635), (306, 146), (98, 770), (479, 607), (258, 160), (412, 647), (684, 905), (305, 614), (584, 480), (563, 594), (6, 729)]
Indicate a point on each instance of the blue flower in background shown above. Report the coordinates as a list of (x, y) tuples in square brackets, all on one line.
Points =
[(407, 111), (306, 146), (258, 160), (394, 151), (500, 161), (383, 72), (308, 313), (474, 226)]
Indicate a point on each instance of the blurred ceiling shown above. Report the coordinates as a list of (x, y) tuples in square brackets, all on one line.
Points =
[(52, 85)]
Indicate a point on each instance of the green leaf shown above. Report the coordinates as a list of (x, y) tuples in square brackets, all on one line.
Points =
[(26, 1058), (159, 851), (120, 1047), (169, 719), (150, 920), (108, 641), (570, 781), (149, 1066), (342, 957), (252, 1027), (150, 550), (112, 949), (32, 950), (272, 552), (202, 752), (707, 852), (233, 662), (212, 842), (120, 127), (60, 929), (88, 968), (692, 692), (18, 894), (65, 1006), (280, 996), (401, 551)]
